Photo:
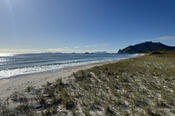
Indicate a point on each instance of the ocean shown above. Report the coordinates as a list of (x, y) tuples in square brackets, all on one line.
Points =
[(12, 65)]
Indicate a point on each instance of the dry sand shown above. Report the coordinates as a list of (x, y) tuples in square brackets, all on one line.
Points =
[(18, 84)]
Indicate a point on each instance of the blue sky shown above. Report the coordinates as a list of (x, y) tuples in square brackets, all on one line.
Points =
[(84, 25)]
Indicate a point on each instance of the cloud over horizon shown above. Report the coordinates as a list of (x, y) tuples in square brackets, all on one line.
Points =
[(166, 38)]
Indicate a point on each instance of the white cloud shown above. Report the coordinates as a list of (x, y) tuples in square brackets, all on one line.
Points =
[(76, 47), (19, 51), (166, 38), (35, 50), (86, 46), (97, 45), (65, 50)]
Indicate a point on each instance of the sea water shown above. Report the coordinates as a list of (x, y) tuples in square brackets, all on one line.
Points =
[(12, 65)]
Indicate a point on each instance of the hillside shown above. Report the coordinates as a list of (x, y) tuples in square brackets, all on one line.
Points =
[(140, 86), (146, 47)]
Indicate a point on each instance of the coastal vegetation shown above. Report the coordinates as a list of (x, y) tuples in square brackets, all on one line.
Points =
[(143, 86)]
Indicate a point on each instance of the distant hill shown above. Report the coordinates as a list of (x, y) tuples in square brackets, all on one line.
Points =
[(146, 47)]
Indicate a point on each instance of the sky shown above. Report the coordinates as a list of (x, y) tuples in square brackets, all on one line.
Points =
[(84, 25)]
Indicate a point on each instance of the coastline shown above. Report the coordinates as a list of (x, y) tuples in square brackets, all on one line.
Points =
[(21, 82), (138, 83)]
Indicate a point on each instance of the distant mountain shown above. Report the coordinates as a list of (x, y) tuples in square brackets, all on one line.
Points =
[(146, 47)]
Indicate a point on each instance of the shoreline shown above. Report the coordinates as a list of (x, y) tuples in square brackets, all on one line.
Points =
[(21, 82), (56, 70), (15, 73)]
